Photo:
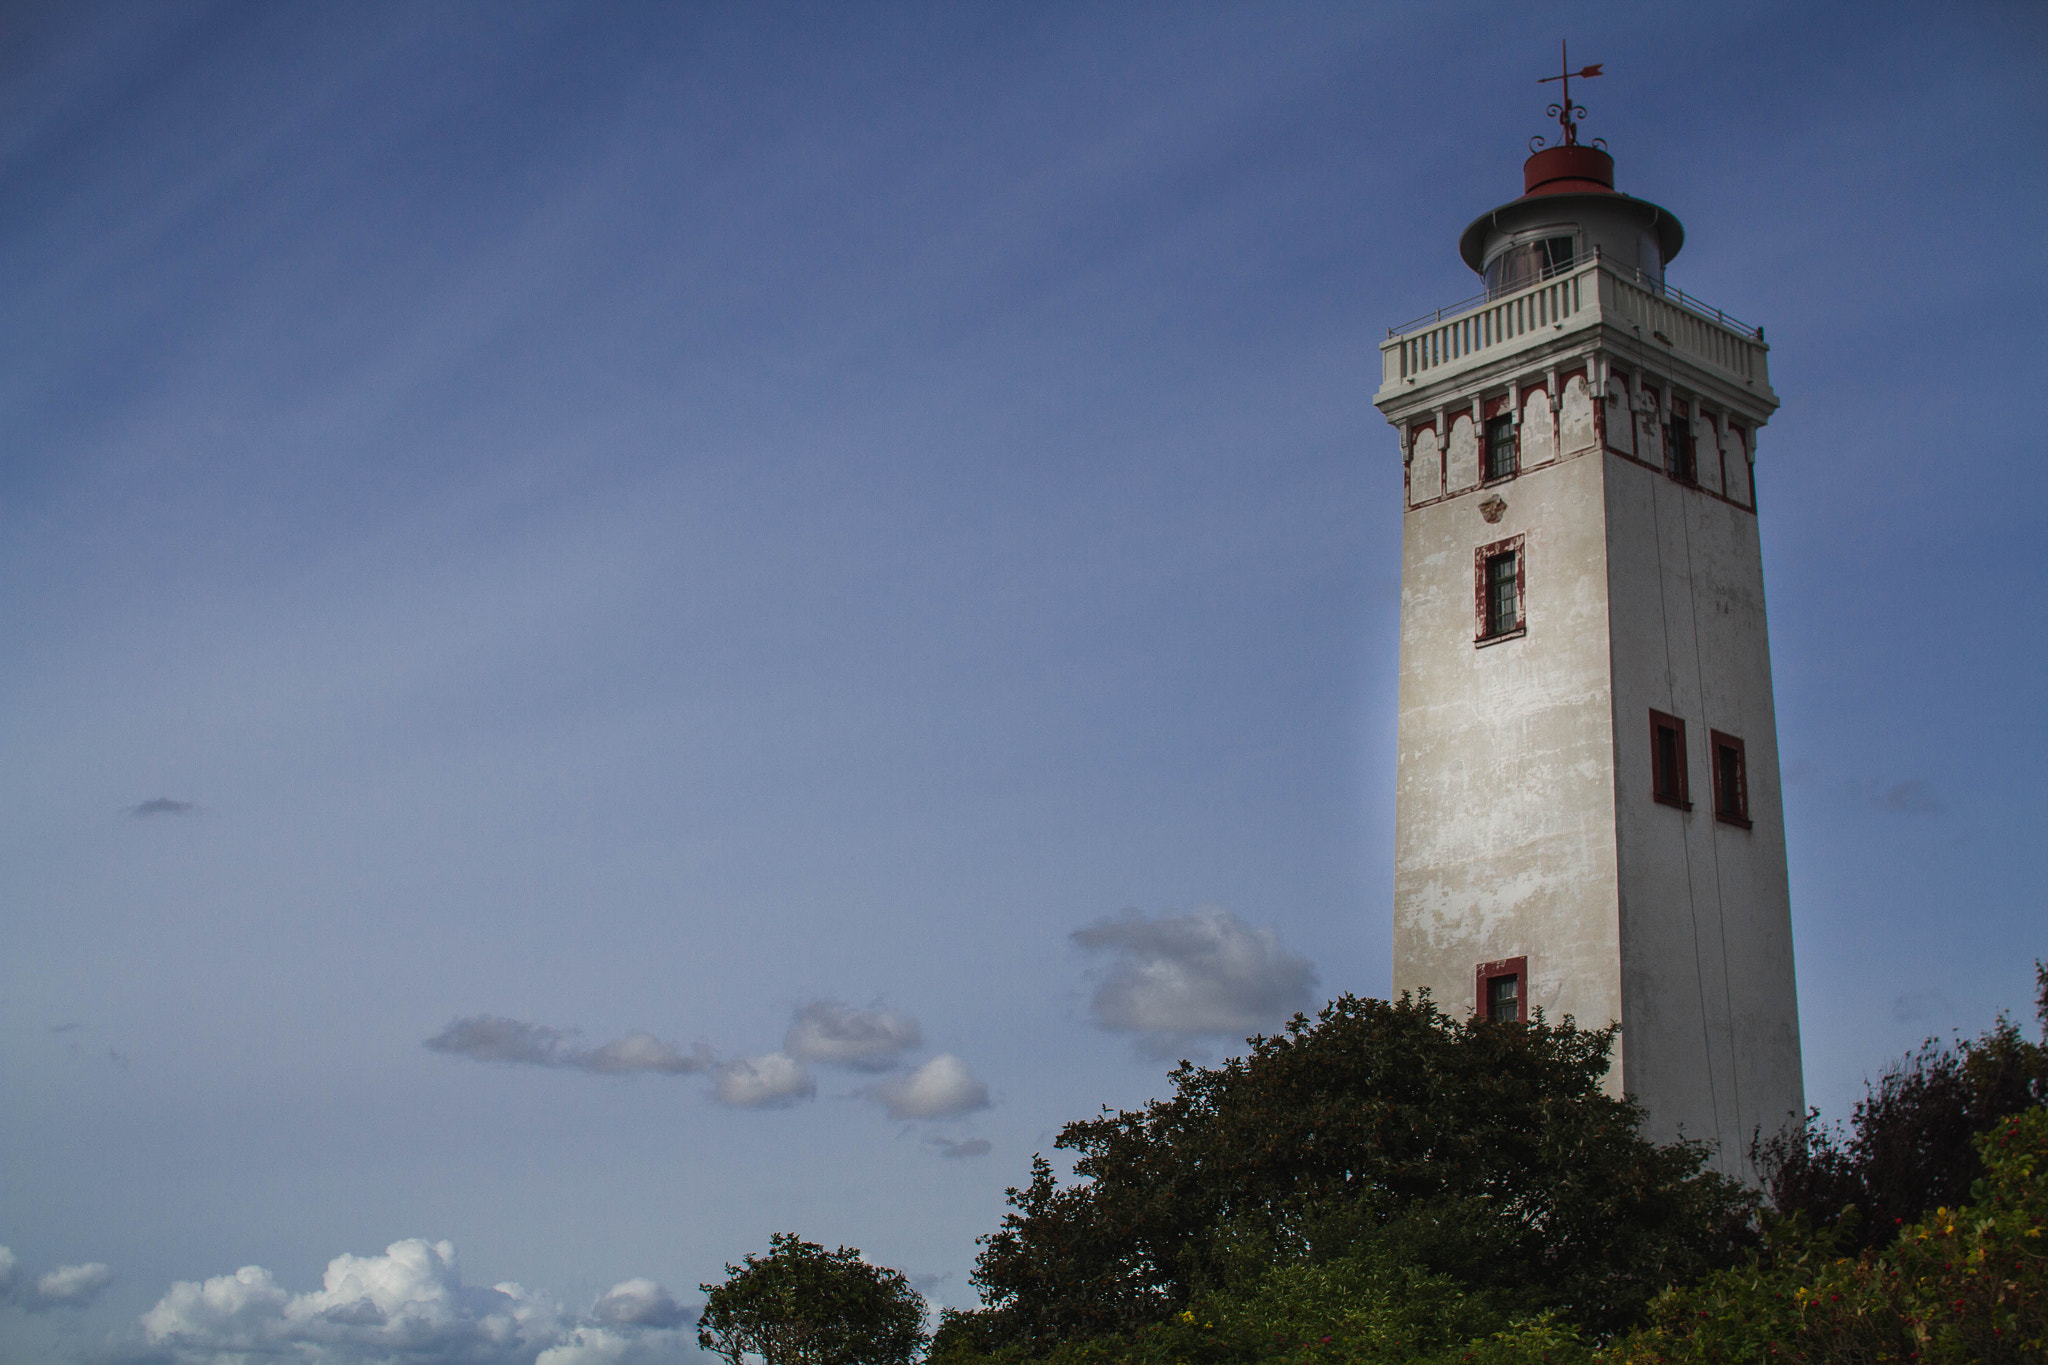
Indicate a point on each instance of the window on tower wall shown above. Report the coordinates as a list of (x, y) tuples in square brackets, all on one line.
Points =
[(1502, 573), (1681, 461), (1731, 779), (1501, 991), (1500, 447), (1667, 760), (1526, 263)]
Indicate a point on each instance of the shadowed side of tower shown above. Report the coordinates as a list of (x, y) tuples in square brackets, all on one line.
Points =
[(1588, 812)]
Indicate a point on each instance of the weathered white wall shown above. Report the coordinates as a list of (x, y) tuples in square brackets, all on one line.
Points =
[(1575, 417), (1709, 1005), (1524, 823), (1504, 801), (1425, 468), (1735, 467), (1620, 421), (1538, 438), (1461, 468)]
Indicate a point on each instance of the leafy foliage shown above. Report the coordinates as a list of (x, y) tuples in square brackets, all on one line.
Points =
[(803, 1305), (1968, 1284), (1910, 1145), (1383, 1141)]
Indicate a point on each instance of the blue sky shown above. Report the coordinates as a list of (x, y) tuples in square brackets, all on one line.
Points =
[(750, 526)]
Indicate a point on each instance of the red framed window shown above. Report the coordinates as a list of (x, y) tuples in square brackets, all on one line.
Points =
[(1500, 587), (1681, 458), (1500, 447), (1500, 990), (1731, 779), (1667, 760)]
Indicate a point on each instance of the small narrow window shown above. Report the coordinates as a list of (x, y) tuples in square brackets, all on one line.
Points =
[(1503, 601), (1681, 460), (1500, 574), (1500, 447), (1667, 760), (1731, 779), (1501, 991)]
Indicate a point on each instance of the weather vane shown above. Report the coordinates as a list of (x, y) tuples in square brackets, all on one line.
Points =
[(1565, 112)]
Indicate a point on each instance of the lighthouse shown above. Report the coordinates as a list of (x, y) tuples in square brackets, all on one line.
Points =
[(1588, 814)]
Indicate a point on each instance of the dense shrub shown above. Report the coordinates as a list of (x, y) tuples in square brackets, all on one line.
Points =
[(1383, 1134), (1961, 1285), (1387, 1186), (1910, 1145), (803, 1305)]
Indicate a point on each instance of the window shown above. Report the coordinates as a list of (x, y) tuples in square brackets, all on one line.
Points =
[(1526, 263), (1681, 461), (1501, 991), (1503, 603), (1667, 760), (1500, 447), (1500, 589), (1731, 779), (1500, 586)]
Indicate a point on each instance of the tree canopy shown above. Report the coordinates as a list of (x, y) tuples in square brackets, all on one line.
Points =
[(1910, 1145), (1385, 1130), (804, 1305)]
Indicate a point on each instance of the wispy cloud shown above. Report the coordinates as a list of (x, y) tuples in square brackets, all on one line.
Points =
[(68, 1286), (409, 1302), (163, 805), (962, 1148), (491, 1038), (834, 1034), (941, 1088), (1913, 797), (1918, 1005), (823, 1031), (771, 1082), (1202, 974)]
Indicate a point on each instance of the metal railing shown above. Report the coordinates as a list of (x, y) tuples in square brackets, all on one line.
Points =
[(1633, 276), (1451, 310)]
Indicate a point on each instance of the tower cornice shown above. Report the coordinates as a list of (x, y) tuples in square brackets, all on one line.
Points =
[(1584, 311)]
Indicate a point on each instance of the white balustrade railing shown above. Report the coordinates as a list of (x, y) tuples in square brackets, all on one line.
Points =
[(1576, 296)]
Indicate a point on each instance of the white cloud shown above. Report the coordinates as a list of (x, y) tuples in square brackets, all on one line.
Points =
[(639, 1303), (74, 1285), (489, 1038), (867, 1040), (643, 1052), (940, 1088), (768, 1082), (599, 1346), (1200, 974), (68, 1286), (408, 1304)]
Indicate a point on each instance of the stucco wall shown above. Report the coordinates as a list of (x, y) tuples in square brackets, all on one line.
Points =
[(1524, 821), (1504, 828), (1709, 1004)]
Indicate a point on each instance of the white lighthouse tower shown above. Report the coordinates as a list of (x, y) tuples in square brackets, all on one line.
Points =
[(1588, 814)]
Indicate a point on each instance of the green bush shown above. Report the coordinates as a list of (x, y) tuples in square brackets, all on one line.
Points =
[(804, 1305), (1384, 1134), (1967, 1285), (1910, 1144)]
